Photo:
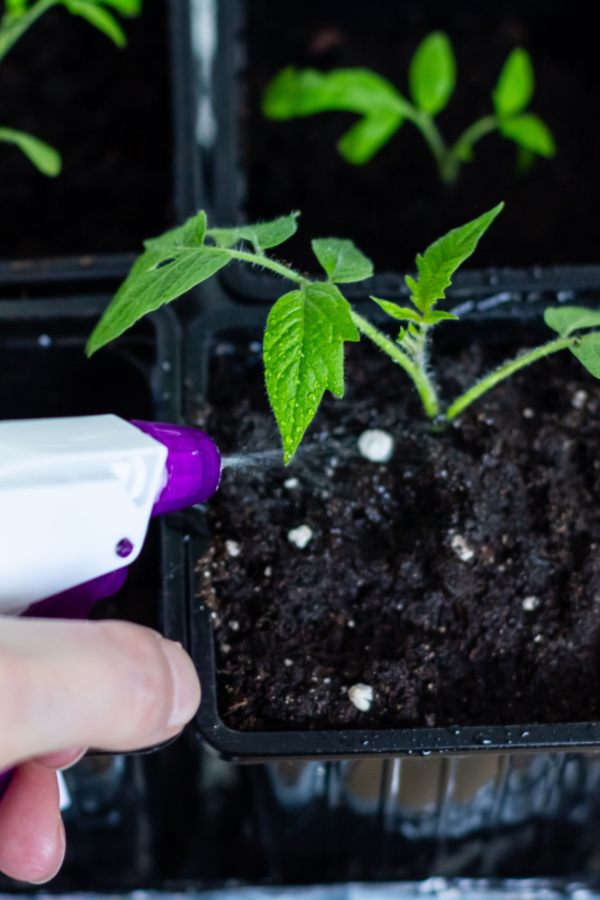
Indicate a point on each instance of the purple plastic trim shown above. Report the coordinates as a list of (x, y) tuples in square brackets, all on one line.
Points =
[(77, 602), (193, 465), (124, 548)]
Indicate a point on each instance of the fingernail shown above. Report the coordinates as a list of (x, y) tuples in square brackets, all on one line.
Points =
[(186, 687), (61, 846), (80, 754)]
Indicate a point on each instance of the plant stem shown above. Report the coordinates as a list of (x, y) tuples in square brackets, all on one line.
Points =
[(415, 370), (504, 371), (258, 259), (462, 148), (10, 33), (436, 143), (426, 390)]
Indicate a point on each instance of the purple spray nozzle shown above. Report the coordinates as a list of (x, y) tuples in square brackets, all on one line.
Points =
[(193, 467)]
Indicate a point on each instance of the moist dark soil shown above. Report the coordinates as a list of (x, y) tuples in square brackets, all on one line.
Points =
[(460, 580), (108, 112), (395, 205)]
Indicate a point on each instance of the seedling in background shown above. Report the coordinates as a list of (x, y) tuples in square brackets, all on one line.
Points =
[(309, 325), (383, 109), (19, 16)]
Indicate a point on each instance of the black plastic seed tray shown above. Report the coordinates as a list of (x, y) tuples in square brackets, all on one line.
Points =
[(254, 169), (509, 303), (159, 114)]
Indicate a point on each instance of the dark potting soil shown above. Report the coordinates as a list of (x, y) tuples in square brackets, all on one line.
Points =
[(108, 112), (395, 205), (461, 580)]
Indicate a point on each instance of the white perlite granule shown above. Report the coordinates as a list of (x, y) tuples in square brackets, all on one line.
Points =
[(461, 548), (530, 603), (291, 483), (361, 696), (376, 445), (300, 536), (233, 548)]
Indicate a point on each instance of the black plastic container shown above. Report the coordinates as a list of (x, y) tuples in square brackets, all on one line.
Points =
[(505, 305), (236, 154), (404, 803), (502, 815), (380, 804), (119, 193), (395, 205)]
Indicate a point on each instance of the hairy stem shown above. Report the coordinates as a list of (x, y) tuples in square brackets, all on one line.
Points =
[(419, 375), (11, 31), (258, 259), (505, 371)]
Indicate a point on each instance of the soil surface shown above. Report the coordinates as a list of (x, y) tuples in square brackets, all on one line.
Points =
[(461, 580), (395, 205), (108, 112)]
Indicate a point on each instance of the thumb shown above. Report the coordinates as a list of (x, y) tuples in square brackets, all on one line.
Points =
[(109, 685)]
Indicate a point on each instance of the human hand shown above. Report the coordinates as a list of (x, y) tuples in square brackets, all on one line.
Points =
[(66, 686)]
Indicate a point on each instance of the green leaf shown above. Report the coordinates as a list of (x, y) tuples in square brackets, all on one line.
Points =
[(125, 7), (566, 319), (403, 313), (304, 356), (531, 133), (189, 235), (42, 155), (432, 74), (515, 85), (362, 141), (304, 92), (587, 351), (442, 259), (342, 260), (172, 264), (15, 8), (261, 235), (432, 318), (99, 17)]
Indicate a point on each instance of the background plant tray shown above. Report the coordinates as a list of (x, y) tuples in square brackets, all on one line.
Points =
[(394, 206), (109, 112)]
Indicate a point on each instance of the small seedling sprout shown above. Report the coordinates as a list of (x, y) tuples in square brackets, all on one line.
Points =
[(308, 325), (383, 109), (19, 16)]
